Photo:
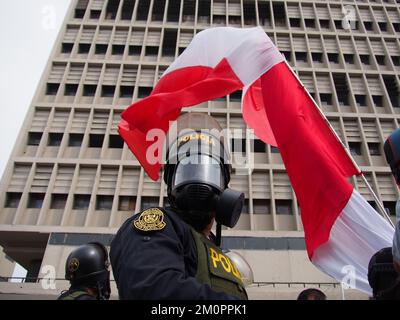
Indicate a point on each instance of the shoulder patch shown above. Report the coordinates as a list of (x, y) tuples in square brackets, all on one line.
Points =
[(150, 220)]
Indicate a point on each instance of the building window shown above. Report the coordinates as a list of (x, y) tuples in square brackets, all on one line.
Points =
[(116, 142), (342, 90), (52, 89), (55, 139), (107, 91), (382, 26), (149, 202), (396, 26), (83, 48), (127, 203), (392, 90), (13, 199), (112, 9), (143, 92), (236, 96), (81, 201), (169, 43), (396, 60), (118, 49), (301, 56), (75, 139), (310, 23), (333, 57), (70, 89), (390, 207), (34, 138), (35, 200), (287, 54), (126, 91), (79, 13), (259, 146), (101, 49), (104, 202), (361, 100), (127, 9), (355, 148), (274, 149), (364, 59), (135, 50), (89, 90), (95, 14), (372, 204), (261, 206), (374, 148), (338, 24), (324, 23), (96, 140), (283, 206), (294, 22), (67, 47), (349, 58), (58, 201), (380, 59), (368, 25), (378, 100), (326, 98), (151, 51), (316, 56)]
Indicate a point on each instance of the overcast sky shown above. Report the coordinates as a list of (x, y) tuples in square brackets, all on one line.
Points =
[(28, 30)]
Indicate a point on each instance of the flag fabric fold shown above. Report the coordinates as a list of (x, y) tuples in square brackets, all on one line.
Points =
[(340, 227), (216, 63)]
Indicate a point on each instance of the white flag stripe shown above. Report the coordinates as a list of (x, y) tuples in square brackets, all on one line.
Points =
[(358, 233), (250, 52)]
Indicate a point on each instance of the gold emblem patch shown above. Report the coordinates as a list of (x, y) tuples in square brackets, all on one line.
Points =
[(73, 265), (150, 220)]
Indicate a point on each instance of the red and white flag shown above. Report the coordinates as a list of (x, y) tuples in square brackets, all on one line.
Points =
[(342, 231)]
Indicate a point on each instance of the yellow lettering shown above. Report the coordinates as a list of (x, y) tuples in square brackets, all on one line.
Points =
[(214, 257), (235, 271), (225, 263)]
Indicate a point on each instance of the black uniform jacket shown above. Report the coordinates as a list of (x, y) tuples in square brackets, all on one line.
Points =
[(159, 264)]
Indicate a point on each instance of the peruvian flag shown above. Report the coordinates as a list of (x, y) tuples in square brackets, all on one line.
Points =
[(342, 231)]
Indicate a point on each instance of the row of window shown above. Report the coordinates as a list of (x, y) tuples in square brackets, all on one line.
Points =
[(167, 39), (128, 203), (253, 12), (340, 83), (55, 121), (301, 56), (75, 140), (116, 142), (99, 50)]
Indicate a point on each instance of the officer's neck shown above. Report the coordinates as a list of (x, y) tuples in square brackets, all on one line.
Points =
[(207, 230)]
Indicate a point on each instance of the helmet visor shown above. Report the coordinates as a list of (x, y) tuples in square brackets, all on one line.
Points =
[(199, 169)]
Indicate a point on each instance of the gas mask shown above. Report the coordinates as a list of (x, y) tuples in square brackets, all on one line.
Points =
[(197, 173)]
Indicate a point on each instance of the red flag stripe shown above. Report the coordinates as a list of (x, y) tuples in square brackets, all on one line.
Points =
[(315, 160)]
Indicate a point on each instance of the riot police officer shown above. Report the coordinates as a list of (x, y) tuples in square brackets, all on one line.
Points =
[(170, 252), (87, 269)]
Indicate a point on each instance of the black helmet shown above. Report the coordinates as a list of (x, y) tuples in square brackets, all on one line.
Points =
[(197, 173), (381, 273), (88, 266)]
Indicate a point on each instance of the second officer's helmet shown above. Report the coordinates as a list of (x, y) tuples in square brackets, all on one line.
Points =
[(88, 266)]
